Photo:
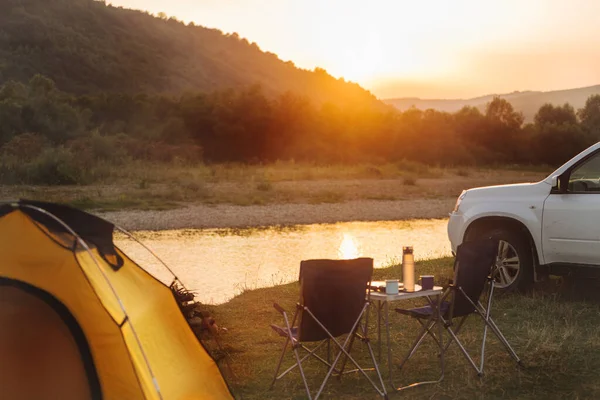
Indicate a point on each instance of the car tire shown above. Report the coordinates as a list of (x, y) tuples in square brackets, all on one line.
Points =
[(514, 262)]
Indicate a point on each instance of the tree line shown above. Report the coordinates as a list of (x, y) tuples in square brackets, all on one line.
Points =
[(249, 126)]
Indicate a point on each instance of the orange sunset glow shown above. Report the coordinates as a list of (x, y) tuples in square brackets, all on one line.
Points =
[(433, 49)]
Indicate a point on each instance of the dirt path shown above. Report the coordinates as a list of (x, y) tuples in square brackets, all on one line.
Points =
[(221, 216)]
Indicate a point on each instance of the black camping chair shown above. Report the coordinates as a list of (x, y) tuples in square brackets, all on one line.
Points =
[(474, 268), (334, 298)]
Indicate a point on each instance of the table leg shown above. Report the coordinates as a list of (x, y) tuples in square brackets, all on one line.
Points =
[(440, 335), (389, 348), (379, 331)]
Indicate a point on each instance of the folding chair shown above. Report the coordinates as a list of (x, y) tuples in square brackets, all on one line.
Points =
[(474, 267), (334, 298)]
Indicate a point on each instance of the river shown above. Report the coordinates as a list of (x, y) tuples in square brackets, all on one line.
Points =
[(218, 264)]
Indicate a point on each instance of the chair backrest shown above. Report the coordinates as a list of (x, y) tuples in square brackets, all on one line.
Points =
[(473, 264), (335, 292)]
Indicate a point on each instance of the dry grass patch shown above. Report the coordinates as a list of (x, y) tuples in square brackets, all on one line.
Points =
[(155, 186)]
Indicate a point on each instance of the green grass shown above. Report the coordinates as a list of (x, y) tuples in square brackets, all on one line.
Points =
[(558, 340)]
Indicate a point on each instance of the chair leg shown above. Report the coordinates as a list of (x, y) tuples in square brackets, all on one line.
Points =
[(377, 368), (487, 319), (302, 373), (341, 371), (490, 322), (464, 351), (337, 357), (427, 329), (503, 340), (295, 348), (488, 309), (343, 350), (424, 331), (309, 353), (431, 334), (458, 328), (287, 341)]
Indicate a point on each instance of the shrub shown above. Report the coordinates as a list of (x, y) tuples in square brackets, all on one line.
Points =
[(264, 186), (25, 147), (55, 166), (412, 166), (96, 147), (409, 181), (373, 172)]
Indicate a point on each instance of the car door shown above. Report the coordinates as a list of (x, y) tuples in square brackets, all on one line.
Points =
[(571, 217)]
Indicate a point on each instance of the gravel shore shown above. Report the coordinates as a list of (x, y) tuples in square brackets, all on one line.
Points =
[(231, 216)]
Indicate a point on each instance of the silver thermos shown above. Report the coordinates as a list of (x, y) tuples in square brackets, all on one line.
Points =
[(408, 269)]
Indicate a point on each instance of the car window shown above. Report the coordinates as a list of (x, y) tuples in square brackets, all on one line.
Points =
[(586, 177)]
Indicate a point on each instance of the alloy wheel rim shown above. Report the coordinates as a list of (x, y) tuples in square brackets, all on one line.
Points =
[(507, 265)]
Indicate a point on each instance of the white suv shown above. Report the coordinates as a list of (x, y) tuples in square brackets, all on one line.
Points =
[(549, 227)]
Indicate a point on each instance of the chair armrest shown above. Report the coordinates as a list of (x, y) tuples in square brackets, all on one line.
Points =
[(279, 308)]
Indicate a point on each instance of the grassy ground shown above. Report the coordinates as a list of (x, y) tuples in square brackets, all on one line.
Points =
[(156, 187), (558, 340)]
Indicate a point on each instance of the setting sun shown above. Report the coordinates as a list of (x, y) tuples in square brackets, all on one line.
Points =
[(426, 49)]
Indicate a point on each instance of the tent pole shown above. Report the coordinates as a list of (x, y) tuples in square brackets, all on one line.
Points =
[(132, 237)]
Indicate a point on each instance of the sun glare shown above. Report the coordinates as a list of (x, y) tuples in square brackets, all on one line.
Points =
[(455, 48), (348, 248)]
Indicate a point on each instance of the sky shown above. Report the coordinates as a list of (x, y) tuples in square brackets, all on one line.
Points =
[(416, 48)]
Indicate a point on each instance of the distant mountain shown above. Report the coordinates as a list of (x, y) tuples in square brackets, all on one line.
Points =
[(527, 102), (88, 47)]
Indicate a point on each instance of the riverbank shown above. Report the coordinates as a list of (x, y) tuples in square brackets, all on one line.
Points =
[(146, 197), (232, 216)]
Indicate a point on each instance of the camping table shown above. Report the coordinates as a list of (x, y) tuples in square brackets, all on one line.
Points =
[(382, 301)]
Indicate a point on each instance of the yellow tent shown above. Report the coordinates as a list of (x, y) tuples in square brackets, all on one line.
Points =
[(80, 320)]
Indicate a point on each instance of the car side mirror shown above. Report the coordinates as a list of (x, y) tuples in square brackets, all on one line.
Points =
[(560, 183)]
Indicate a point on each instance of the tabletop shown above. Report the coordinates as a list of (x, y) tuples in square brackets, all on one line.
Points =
[(378, 296)]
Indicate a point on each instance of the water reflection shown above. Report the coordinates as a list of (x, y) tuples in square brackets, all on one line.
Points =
[(348, 249), (220, 263)]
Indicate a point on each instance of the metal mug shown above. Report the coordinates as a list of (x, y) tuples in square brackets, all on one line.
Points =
[(427, 282), (391, 286)]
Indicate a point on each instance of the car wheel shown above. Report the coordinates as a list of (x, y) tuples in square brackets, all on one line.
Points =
[(514, 263)]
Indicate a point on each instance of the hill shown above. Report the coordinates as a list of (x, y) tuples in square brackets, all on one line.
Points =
[(527, 102), (88, 47)]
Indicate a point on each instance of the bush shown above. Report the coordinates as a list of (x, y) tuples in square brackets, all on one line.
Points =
[(54, 166), (25, 147), (96, 147), (412, 166), (409, 181), (264, 186)]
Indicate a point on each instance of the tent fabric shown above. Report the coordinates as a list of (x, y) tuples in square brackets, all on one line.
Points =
[(41, 332), (141, 345), (90, 228)]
